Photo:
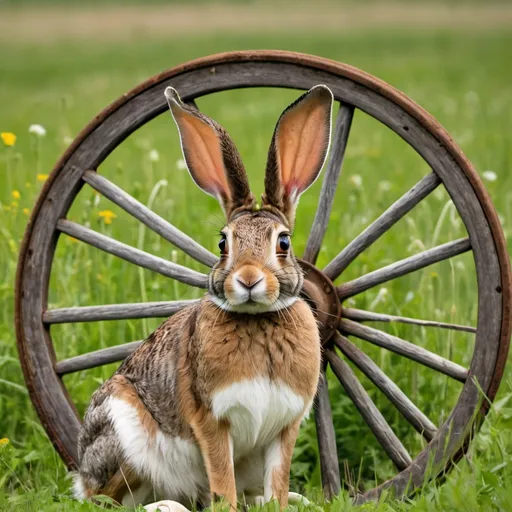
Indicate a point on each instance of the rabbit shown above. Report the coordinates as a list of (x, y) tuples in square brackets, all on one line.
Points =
[(209, 406)]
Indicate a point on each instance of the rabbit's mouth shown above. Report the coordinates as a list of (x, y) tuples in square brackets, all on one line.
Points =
[(251, 306)]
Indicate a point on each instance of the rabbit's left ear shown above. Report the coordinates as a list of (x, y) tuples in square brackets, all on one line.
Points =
[(211, 156), (298, 150)]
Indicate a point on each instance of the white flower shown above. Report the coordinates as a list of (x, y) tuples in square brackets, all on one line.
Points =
[(180, 164), (409, 296), (356, 180), (385, 186), (67, 140), (37, 129), (382, 296), (490, 175), (154, 156)]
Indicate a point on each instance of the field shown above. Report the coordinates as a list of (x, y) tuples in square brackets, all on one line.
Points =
[(462, 76)]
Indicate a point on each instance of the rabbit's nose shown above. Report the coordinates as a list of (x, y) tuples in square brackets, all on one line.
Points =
[(250, 282)]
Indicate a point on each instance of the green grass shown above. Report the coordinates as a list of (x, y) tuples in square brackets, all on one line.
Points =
[(463, 80)]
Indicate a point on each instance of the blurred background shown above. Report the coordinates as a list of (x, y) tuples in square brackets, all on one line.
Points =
[(62, 62)]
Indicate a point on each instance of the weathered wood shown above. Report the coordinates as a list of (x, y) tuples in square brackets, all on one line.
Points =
[(115, 312), (360, 315), (379, 226), (403, 267), (404, 348), (133, 255), (332, 175), (97, 358), (326, 436), (368, 410), (149, 218), (397, 397), (273, 69)]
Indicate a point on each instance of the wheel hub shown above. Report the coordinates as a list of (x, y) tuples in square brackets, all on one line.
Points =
[(321, 295)]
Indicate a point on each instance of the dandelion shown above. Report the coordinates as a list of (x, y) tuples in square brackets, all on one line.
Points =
[(154, 156), (37, 129), (42, 177), (107, 216), (4, 442), (15, 194), (180, 164), (490, 175), (356, 180), (26, 211), (8, 138)]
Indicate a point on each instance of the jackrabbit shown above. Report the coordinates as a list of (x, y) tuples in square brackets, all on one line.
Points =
[(210, 404)]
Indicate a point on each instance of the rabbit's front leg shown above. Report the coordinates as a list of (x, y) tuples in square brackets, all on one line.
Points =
[(217, 449), (278, 459)]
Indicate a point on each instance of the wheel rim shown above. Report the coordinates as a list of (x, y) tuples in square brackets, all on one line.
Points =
[(272, 69)]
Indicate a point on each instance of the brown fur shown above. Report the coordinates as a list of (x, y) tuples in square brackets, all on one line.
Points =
[(171, 379)]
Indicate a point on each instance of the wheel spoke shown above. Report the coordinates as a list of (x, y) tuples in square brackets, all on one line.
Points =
[(136, 256), (326, 441), (403, 267), (368, 316), (369, 411), (332, 174), (404, 348), (96, 358), (378, 227), (115, 312), (149, 218), (397, 397)]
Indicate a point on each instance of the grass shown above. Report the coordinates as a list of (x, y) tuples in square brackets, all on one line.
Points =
[(464, 80)]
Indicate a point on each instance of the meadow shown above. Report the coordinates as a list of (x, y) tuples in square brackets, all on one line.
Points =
[(462, 77)]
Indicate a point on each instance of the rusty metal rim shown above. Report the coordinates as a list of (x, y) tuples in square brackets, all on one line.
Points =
[(341, 70)]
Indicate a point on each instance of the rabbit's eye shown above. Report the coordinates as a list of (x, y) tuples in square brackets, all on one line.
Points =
[(283, 244), (222, 245)]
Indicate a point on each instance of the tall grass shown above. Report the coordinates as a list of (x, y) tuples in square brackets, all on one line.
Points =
[(462, 80)]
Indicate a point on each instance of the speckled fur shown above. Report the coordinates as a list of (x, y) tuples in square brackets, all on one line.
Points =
[(172, 400)]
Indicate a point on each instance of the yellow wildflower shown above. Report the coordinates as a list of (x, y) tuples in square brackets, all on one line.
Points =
[(26, 211), (14, 204), (42, 177), (4, 441), (15, 194), (8, 138), (107, 216)]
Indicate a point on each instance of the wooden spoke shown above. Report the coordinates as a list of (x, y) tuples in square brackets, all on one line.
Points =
[(378, 227), (368, 316), (326, 441), (332, 174), (397, 397), (369, 411), (149, 218), (402, 267), (128, 253), (115, 312), (404, 348), (96, 358)]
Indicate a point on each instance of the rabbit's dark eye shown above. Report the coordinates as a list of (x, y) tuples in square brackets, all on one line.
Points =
[(283, 244), (222, 245)]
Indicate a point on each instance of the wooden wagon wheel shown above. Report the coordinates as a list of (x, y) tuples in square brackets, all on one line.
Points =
[(353, 89)]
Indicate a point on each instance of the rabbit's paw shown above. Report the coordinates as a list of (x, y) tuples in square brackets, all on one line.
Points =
[(166, 506)]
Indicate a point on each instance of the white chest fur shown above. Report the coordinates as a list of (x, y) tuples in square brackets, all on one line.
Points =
[(257, 410)]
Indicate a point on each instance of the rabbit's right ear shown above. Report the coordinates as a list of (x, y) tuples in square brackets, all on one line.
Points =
[(211, 156)]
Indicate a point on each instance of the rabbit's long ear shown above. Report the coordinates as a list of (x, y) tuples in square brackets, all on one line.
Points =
[(211, 156), (298, 150)]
